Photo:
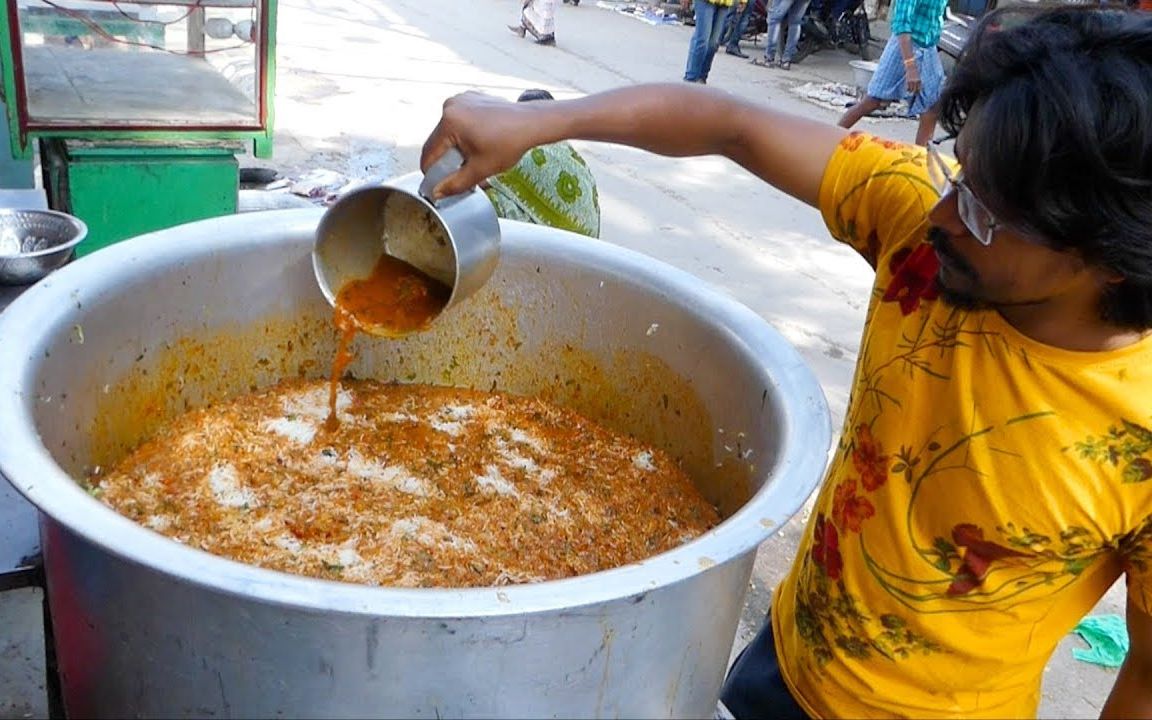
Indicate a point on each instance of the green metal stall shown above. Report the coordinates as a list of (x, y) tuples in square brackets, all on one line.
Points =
[(136, 111)]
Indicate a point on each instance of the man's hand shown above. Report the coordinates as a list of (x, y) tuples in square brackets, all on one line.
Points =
[(492, 135), (911, 71), (1131, 695), (912, 77)]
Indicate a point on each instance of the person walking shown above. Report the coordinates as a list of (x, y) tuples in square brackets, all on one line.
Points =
[(909, 68), (710, 15), (784, 14), (686, 12), (538, 19), (735, 27), (993, 477)]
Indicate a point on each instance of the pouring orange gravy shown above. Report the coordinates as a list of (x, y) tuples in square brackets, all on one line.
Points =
[(394, 300)]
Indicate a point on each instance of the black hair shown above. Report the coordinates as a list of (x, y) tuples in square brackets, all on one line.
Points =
[(1060, 143), (534, 94)]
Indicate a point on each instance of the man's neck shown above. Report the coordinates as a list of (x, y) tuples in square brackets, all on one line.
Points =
[(1069, 330)]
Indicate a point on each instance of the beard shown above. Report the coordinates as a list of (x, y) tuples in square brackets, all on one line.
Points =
[(963, 289)]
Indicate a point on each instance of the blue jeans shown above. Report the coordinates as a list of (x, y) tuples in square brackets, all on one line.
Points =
[(784, 11), (705, 40), (735, 27)]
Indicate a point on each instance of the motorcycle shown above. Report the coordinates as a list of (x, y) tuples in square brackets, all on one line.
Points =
[(958, 26), (823, 27)]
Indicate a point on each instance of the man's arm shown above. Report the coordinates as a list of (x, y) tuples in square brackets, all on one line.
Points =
[(1131, 696), (675, 120), (903, 17)]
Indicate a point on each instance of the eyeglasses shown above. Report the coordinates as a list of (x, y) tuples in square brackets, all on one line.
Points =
[(979, 221)]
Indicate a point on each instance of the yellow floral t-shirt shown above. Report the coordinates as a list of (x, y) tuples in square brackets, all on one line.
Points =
[(986, 491)]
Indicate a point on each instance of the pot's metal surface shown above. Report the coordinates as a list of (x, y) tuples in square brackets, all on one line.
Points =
[(112, 345)]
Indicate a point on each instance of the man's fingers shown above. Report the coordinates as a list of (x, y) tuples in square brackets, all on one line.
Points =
[(436, 145), (470, 174), (442, 137), (466, 125), (456, 183)]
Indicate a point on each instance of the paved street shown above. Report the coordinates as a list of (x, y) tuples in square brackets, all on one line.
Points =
[(361, 83)]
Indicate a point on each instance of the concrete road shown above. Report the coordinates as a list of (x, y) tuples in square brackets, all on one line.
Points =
[(360, 85)]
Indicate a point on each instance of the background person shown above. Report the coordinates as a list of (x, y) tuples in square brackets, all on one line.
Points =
[(538, 19), (550, 185), (710, 15), (909, 68), (735, 27), (784, 14)]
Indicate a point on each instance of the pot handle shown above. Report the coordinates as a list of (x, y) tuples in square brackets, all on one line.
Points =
[(449, 162)]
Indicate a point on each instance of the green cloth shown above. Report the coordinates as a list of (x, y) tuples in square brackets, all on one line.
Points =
[(1108, 637), (551, 185)]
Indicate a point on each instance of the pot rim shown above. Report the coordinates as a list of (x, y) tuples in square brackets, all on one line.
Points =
[(36, 317)]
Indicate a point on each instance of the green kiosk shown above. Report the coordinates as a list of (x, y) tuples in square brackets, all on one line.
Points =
[(138, 109)]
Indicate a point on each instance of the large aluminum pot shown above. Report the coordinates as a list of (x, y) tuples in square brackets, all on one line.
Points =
[(96, 356)]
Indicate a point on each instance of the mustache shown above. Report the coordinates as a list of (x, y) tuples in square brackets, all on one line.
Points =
[(943, 246)]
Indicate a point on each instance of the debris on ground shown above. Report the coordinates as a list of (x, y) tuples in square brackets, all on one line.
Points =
[(838, 96), (261, 200), (642, 12), (318, 184), (1107, 637), (319, 187), (318, 177)]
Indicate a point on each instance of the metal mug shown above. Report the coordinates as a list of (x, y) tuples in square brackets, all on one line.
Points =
[(456, 239)]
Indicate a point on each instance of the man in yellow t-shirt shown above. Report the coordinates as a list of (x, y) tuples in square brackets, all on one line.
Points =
[(994, 474)]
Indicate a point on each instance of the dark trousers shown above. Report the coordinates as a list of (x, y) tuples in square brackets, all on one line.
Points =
[(736, 25), (754, 687)]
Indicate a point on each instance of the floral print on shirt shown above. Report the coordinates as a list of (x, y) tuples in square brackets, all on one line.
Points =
[(981, 480)]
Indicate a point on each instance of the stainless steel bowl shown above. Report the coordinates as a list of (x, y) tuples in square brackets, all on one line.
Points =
[(33, 243)]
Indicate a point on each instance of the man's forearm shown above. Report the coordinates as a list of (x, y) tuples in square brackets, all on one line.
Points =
[(675, 120), (907, 49), (668, 119)]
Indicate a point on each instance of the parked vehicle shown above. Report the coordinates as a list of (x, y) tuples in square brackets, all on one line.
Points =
[(961, 17), (953, 37), (825, 25)]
